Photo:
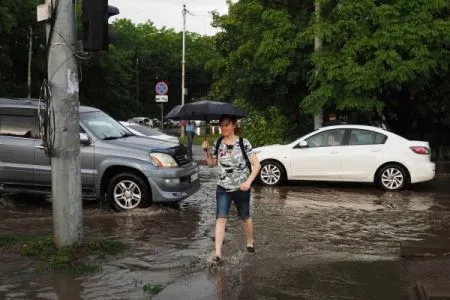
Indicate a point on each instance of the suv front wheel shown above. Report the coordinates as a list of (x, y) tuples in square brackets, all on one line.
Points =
[(127, 191)]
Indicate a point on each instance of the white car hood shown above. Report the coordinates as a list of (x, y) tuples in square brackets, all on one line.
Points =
[(270, 148)]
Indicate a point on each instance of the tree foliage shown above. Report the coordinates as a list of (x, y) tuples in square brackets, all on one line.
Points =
[(14, 40), (376, 54), (263, 127), (122, 80), (263, 58), (375, 48), (112, 80), (390, 54)]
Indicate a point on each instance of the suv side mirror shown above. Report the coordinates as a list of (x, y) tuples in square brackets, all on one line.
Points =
[(84, 139), (303, 144)]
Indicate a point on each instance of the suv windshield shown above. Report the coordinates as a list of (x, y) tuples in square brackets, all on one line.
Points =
[(103, 126)]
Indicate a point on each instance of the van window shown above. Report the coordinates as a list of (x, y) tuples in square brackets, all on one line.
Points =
[(18, 123)]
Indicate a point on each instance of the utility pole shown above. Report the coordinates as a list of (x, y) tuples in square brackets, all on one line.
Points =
[(318, 119), (183, 66), (30, 55), (183, 62), (66, 174)]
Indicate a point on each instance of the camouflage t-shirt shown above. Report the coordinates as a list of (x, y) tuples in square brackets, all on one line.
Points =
[(233, 170)]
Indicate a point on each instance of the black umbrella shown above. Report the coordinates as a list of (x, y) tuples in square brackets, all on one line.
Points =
[(205, 111)]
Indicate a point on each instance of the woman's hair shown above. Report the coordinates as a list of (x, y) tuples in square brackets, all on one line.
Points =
[(233, 120)]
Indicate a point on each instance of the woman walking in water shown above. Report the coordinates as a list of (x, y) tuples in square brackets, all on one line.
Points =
[(238, 168)]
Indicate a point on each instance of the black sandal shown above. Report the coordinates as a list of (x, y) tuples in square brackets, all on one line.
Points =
[(251, 249), (218, 260)]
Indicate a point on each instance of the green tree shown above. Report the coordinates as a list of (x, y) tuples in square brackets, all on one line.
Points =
[(263, 58), (376, 50), (263, 127), (122, 80), (16, 17)]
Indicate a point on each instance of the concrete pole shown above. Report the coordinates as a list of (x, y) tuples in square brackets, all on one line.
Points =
[(318, 119), (30, 56), (66, 174)]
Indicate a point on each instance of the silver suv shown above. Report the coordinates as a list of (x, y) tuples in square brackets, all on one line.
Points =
[(130, 171)]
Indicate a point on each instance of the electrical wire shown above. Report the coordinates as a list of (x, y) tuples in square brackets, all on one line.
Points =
[(47, 119), (46, 110), (47, 115)]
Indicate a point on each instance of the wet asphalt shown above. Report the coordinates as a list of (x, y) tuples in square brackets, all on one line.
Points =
[(313, 241)]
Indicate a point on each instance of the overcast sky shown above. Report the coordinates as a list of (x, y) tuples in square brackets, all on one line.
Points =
[(168, 13)]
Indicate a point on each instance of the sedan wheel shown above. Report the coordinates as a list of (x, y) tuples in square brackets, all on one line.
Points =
[(271, 174), (127, 191), (392, 178)]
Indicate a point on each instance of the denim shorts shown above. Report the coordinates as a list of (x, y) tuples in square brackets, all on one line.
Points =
[(241, 201)]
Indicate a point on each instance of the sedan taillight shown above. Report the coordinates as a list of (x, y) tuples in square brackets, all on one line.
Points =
[(420, 150)]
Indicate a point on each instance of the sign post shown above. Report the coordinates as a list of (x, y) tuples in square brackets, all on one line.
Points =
[(161, 97)]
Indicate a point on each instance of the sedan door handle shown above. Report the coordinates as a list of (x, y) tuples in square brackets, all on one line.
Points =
[(39, 147), (335, 152), (376, 150)]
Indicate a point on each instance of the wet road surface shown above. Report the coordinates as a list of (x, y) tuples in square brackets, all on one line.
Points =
[(313, 241)]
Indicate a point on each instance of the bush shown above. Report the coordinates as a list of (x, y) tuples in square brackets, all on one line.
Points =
[(263, 127)]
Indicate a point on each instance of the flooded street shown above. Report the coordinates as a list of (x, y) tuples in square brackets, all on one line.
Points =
[(327, 241)]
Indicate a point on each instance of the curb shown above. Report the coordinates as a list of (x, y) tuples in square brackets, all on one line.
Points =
[(430, 290), (426, 248)]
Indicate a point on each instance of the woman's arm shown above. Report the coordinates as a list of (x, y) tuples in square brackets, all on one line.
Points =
[(256, 167)]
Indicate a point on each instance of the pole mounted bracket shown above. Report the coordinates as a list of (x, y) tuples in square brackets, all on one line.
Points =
[(44, 11)]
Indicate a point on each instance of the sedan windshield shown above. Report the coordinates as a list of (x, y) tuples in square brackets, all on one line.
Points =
[(291, 140), (144, 130), (103, 126)]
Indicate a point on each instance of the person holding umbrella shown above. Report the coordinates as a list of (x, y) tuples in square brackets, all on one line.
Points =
[(238, 167), (237, 164)]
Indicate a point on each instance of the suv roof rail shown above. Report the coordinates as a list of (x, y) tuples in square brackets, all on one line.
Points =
[(19, 101), (34, 103)]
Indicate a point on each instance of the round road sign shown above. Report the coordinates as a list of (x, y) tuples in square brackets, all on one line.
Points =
[(161, 88)]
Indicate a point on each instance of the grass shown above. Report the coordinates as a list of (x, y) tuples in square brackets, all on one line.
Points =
[(83, 259), (154, 289), (198, 140)]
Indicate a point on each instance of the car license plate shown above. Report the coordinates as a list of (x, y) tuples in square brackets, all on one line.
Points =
[(194, 177)]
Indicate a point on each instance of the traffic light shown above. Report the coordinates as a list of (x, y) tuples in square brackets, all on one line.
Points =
[(96, 35)]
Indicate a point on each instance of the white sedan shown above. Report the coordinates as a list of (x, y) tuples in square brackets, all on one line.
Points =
[(141, 130), (350, 153)]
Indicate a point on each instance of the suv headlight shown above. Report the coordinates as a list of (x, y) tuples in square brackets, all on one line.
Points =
[(162, 160)]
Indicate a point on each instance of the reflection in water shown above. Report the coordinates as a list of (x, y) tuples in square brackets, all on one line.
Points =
[(312, 242)]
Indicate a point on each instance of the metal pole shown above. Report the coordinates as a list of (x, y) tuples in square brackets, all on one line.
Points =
[(66, 174), (183, 62), (318, 119), (30, 54), (162, 117)]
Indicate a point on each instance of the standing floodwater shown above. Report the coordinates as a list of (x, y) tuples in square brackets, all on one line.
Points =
[(313, 242)]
